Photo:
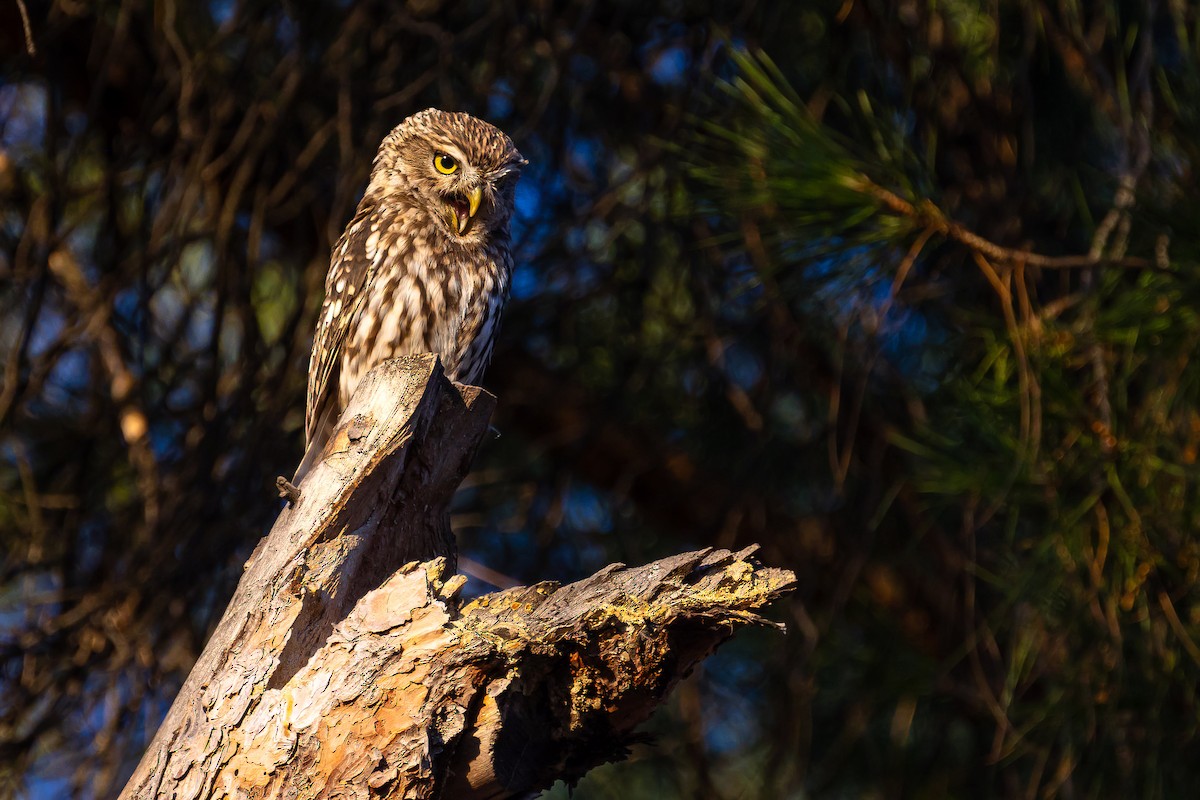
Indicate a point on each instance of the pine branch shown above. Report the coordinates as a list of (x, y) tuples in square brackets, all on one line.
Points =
[(927, 215)]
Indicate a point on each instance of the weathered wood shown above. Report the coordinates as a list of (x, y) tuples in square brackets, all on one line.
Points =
[(555, 679), (377, 500), (345, 667)]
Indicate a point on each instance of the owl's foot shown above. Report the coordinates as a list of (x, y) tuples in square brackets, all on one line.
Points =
[(287, 490)]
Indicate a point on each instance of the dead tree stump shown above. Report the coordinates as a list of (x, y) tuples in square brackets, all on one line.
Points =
[(346, 666)]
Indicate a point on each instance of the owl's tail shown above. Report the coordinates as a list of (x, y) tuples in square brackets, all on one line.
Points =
[(318, 438)]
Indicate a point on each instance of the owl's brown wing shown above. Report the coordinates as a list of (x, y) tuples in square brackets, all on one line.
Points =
[(349, 274)]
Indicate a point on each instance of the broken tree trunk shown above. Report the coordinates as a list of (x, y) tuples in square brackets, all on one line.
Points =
[(346, 666)]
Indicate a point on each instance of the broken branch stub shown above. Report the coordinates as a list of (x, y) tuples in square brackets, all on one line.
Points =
[(377, 500), (563, 675), (345, 667)]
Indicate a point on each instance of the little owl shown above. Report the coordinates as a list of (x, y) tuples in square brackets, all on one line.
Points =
[(423, 267)]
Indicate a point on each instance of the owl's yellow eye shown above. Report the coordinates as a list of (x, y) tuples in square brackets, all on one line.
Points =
[(445, 164)]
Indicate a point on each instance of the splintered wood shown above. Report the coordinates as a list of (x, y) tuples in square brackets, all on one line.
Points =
[(346, 665)]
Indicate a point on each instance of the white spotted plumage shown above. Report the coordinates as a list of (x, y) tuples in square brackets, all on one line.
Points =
[(405, 276)]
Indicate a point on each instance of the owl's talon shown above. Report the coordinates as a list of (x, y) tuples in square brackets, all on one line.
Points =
[(492, 429), (287, 490)]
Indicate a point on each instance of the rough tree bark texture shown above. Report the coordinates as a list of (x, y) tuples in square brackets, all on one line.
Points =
[(345, 667)]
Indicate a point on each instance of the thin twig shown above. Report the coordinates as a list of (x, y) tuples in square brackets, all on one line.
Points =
[(905, 267), (930, 215), (1169, 610), (1030, 392), (30, 48), (841, 454)]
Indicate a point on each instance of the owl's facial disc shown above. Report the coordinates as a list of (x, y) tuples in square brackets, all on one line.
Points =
[(463, 208)]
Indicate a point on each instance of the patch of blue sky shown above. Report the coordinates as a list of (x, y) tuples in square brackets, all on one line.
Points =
[(156, 702), (694, 382), (733, 682), (22, 117), (166, 438), (538, 189), (40, 785), (851, 286), (76, 122), (824, 256), (184, 396), (517, 549), (541, 346), (664, 58), (669, 67), (738, 666), (90, 546), (200, 325), (167, 308), (541, 189), (90, 721), (574, 281), (543, 166), (528, 203), (46, 330), (525, 281), (724, 69), (127, 305), (12, 224), (17, 607), (66, 385), (574, 239), (584, 278), (574, 551), (843, 280), (81, 241), (741, 296), (584, 156), (585, 510), (287, 31), (270, 246), (222, 10), (742, 365), (500, 101), (200, 610), (44, 586), (10, 447), (13, 615), (732, 723), (915, 348), (576, 557), (48, 777)]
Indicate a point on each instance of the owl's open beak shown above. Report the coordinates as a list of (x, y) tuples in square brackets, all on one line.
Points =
[(461, 213)]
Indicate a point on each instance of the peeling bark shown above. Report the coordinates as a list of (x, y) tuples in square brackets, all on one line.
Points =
[(346, 666)]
